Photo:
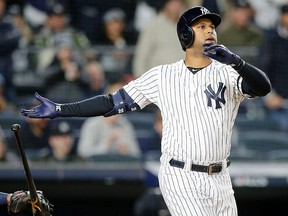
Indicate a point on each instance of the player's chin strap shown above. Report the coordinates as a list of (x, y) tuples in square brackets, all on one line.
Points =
[(122, 103)]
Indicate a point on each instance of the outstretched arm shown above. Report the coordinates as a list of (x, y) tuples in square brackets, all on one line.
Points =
[(255, 82), (106, 105), (94, 106)]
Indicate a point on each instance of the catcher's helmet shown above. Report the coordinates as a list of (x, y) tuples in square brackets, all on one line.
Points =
[(184, 30)]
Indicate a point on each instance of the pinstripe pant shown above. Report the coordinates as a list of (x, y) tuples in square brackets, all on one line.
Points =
[(188, 193)]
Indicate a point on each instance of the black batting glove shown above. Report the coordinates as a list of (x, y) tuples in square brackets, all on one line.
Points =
[(220, 53)]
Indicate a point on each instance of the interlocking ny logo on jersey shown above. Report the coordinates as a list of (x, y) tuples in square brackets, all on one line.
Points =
[(210, 93)]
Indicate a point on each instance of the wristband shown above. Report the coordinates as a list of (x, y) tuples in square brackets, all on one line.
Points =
[(239, 66), (3, 198)]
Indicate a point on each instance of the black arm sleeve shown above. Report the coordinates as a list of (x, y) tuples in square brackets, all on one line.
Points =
[(255, 82), (95, 106)]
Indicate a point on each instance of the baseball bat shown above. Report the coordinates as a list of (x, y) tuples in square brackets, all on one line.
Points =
[(37, 208)]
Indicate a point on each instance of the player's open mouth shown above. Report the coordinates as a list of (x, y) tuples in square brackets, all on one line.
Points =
[(210, 40)]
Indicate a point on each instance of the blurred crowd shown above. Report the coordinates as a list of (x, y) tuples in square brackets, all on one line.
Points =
[(69, 50)]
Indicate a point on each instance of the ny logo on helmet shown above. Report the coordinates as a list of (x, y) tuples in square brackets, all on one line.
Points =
[(204, 10), (212, 95)]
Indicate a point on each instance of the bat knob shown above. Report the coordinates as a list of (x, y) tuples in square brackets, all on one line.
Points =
[(15, 127)]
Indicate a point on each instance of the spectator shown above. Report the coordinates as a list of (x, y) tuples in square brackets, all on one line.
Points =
[(117, 59), (21, 58), (87, 15), (5, 155), (113, 135), (240, 30), (115, 29), (273, 59), (117, 82), (9, 40), (146, 10), (16, 14), (144, 14), (7, 108), (158, 42), (61, 143), (64, 74), (34, 136), (264, 8), (96, 78), (56, 31), (35, 12)]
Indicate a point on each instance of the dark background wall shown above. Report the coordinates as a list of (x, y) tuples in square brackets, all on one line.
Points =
[(74, 199)]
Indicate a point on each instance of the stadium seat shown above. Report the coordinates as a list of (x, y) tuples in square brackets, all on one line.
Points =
[(278, 155), (263, 141), (141, 120), (242, 153), (243, 123)]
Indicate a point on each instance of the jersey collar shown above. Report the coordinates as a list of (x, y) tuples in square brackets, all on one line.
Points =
[(194, 70)]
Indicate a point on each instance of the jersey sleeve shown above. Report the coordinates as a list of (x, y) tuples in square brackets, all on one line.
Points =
[(144, 90)]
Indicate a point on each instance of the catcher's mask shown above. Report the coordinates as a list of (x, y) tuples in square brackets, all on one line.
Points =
[(184, 30)]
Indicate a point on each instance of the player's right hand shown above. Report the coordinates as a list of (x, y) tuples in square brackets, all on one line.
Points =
[(46, 109), (20, 203), (220, 53)]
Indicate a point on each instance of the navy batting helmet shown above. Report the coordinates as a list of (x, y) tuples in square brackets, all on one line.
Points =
[(184, 30)]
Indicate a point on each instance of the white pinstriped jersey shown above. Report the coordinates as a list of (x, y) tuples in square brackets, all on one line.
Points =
[(198, 110)]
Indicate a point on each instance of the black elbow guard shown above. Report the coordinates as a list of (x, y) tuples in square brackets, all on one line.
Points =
[(122, 103)]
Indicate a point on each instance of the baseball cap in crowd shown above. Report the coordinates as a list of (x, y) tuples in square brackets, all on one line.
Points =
[(241, 4), (60, 128), (15, 10), (284, 8), (114, 14), (57, 9)]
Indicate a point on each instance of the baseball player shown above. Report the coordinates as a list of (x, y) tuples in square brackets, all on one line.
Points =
[(19, 202), (199, 98)]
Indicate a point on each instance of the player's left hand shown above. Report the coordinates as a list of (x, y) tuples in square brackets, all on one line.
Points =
[(20, 202), (220, 53)]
